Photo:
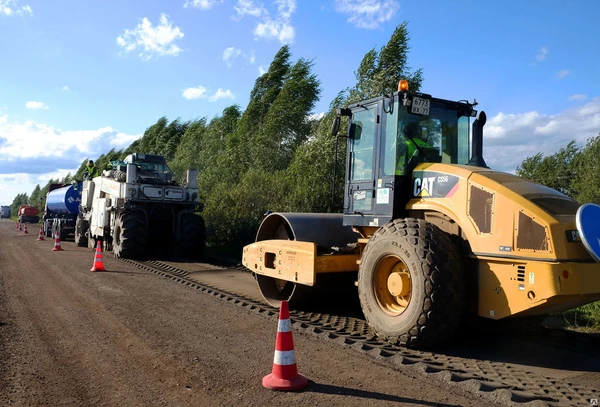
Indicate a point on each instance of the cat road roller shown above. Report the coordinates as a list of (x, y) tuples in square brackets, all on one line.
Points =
[(429, 231)]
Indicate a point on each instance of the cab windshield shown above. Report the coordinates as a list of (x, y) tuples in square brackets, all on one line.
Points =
[(442, 137)]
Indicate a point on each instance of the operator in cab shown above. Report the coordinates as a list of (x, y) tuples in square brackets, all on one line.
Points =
[(91, 170), (412, 141)]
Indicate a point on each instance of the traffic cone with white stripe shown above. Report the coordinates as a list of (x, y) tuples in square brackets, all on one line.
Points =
[(25, 232), (20, 226), (284, 375), (57, 247), (98, 262), (41, 235)]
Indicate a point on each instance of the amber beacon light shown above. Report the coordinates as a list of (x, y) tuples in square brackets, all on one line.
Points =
[(403, 86)]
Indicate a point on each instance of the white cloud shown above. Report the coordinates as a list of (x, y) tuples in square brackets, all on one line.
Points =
[(278, 27), (194, 93), (10, 7), (221, 94), (249, 8), (562, 74), (281, 30), (65, 88), (316, 116), (262, 70), (150, 40), (49, 153), (541, 55), (202, 4), (511, 138), (367, 13), (230, 54), (47, 141), (578, 96), (200, 92), (36, 105)]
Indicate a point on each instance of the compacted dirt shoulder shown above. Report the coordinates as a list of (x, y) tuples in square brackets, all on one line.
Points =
[(126, 337)]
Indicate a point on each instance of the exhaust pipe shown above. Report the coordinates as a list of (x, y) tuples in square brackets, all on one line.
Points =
[(477, 142)]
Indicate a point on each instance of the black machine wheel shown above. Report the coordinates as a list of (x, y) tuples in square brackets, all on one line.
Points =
[(410, 283), (193, 235), (81, 239), (275, 290), (130, 235)]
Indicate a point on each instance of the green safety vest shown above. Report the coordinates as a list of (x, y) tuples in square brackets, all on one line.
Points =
[(402, 160), (92, 171)]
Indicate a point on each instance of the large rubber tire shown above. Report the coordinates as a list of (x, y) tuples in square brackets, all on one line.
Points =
[(81, 239), (193, 236), (130, 235), (411, 285)]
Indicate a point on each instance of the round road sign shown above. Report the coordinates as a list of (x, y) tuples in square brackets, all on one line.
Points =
[(588, 225)]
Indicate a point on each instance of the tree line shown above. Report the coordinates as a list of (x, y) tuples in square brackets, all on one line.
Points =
[(274, 155), (278, 155), (572, 170)]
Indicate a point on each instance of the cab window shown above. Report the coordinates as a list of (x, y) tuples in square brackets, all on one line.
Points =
[(362, 145)]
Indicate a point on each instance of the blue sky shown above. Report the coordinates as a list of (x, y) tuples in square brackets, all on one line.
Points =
[(80, 77)]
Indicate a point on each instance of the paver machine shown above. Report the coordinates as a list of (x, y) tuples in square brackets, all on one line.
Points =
[(430, 231), (136, 209)]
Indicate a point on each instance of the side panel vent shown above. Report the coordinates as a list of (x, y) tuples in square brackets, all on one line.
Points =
[(531, 235), (481, 208), (520, 273)]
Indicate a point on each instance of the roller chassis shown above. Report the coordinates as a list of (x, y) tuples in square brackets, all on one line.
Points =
[(440, 240)]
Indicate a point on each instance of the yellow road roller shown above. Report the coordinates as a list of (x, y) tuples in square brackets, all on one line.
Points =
[(429, 231)]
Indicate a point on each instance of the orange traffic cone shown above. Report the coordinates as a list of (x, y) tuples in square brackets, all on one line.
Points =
[(25, 232), (16, 225), (41, 235), (20, 226), (98, 262), (285, 374), (57, 247)]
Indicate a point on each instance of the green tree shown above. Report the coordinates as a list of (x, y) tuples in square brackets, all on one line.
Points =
[(586, 181), (287, 123), (379, 72), (556, 171), (188, 150)]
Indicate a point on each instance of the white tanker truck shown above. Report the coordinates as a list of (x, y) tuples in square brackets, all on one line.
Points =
[(136, 208)]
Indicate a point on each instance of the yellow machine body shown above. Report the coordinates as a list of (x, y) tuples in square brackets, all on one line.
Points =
[(519, 241)]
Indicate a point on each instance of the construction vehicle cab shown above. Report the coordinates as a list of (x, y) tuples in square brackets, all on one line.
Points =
[(387, 138), (430, 231)]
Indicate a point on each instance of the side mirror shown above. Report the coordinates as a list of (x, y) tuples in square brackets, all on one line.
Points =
[(335, 126), (355, 131)]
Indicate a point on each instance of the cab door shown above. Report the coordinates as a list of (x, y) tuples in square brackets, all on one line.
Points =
[(361, 165)]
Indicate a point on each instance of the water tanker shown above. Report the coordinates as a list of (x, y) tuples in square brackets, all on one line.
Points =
[(64, 200), (62, 207)]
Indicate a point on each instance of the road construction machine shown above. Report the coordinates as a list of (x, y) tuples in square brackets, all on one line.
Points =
[(135, 209), (428, 231)]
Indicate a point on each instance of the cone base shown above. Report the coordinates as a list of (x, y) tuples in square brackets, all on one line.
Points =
[(57, 249), (39, 239), (97, 269), (276, 383)]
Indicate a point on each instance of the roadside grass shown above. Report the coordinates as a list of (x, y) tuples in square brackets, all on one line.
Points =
[(585, 318)]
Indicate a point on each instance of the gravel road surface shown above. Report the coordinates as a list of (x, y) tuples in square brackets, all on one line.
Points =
[(127, 337)]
